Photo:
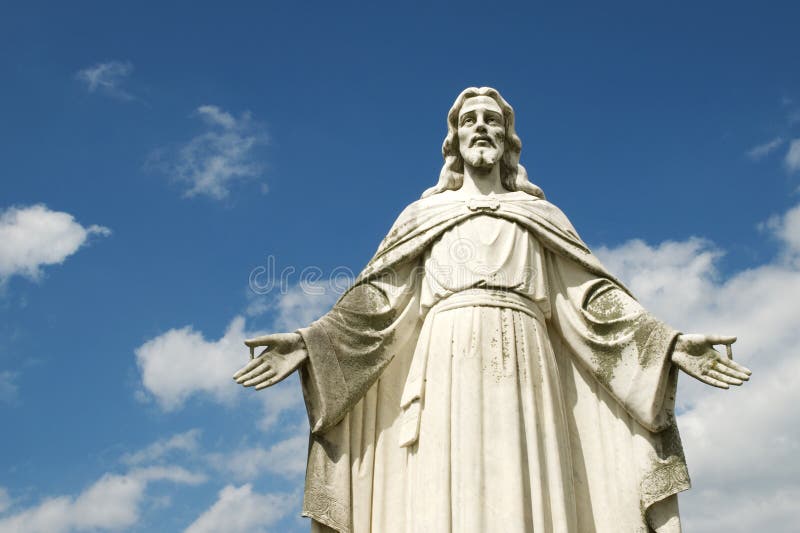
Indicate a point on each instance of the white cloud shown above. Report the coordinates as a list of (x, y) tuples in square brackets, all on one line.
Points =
[(240, 510), (286, 458), (741, 445), (217, 117), (298, 305), (792, 159), (181, 362), (111, 503), (8, 389), (786, 228), (211, 162), (762, 150), (303, 304), (775, 511), (32, 237), (107, 78), (183, 442)]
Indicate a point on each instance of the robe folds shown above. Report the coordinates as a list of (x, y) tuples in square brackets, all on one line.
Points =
[(601, 407)]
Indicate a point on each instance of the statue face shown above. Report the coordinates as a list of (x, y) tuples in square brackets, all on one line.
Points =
[(481, 132)]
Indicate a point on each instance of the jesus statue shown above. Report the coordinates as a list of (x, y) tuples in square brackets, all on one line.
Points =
[(485, 373)]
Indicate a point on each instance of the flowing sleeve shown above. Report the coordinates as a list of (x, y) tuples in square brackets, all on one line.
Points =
[(350, 346), (625, 348)]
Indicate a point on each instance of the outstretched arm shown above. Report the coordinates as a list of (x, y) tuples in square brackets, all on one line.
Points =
[(695, 355), (283, 354)]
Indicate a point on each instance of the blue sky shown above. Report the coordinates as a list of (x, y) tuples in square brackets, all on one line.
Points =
[(155, 155)]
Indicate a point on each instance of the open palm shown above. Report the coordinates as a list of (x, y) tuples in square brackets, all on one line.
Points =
[(695, 355), (284, 352)]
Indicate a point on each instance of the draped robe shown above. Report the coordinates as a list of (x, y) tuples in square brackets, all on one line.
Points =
[(610, 448)]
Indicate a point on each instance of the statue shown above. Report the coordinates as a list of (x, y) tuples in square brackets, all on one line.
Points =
[(485, 372)]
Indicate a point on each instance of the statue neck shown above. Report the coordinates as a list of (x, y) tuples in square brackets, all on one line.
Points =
[(482, 180)]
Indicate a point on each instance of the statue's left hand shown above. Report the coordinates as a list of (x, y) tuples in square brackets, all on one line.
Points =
[(283, 354), (695, 355)]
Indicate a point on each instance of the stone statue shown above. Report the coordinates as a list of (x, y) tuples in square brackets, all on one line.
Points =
[(485, 372)]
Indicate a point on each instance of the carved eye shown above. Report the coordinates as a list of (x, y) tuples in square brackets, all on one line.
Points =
[(493, 120), (467, 121)]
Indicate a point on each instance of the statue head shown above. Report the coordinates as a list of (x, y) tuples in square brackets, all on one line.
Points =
[(506, 146)]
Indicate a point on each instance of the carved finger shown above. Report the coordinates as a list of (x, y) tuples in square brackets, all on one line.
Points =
[(724, 378), (720, 339), (254, 372), (240, 375), (270, 382), (247, 368), (260, 379), (736, 366), (714, 382), (725, 368), (258, 341)]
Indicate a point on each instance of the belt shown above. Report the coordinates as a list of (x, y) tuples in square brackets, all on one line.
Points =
[(489, 298)]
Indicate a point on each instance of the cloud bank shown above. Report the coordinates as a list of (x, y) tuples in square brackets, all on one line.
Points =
[(741, 445), (113, 502)]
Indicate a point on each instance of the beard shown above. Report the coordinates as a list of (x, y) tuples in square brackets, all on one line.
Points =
[(481, 156)]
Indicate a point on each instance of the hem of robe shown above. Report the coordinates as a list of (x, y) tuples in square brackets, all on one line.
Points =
[(320, 522), (323, 473)]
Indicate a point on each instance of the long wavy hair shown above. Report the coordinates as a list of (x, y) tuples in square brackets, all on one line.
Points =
[(512, 175)]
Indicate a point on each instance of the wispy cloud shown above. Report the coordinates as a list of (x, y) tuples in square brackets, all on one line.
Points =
[(34, 236), (210, 163), (286, 458), (242, 510), (762, 150), (297, 305), (757, 426), (186, 442), (107, 78), (792, 159)]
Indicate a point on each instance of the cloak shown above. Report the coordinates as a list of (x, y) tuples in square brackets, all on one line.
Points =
[(614, 365)]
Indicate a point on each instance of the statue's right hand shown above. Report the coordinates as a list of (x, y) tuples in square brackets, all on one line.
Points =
[(283, 354)]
